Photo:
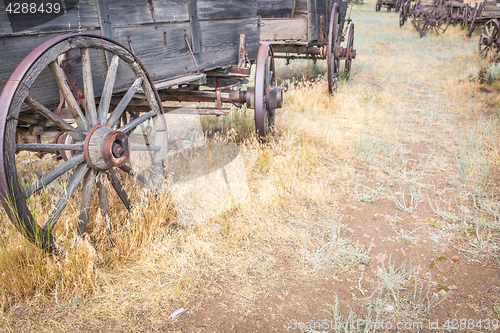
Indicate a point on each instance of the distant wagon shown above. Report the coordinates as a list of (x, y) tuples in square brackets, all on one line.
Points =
[(309, 29), (85, 85), (389, 4)]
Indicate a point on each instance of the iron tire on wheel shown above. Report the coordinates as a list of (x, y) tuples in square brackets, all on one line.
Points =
[(89, 165), (333, 67), (349, 46), (402, 17), (265, 79)]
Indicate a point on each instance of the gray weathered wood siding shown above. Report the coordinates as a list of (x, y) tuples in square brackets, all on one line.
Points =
[(160, 46), (80, 18)]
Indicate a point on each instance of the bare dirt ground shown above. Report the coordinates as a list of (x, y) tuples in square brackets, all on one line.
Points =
[(376, 209)]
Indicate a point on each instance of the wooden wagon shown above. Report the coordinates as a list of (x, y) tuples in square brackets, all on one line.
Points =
[(426, 15), (86, 84), (456, 11), (389, 4), (481, 13), (309, 29)]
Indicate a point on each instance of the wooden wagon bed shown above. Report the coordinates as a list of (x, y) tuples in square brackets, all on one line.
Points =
[(156, 36)]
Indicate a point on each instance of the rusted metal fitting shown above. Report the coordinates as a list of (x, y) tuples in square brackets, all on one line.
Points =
[(338, 51), (105, 148), (63, 138), (250, 97), (115, 149), (274, 98)]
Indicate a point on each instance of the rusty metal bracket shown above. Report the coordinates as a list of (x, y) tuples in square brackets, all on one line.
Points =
[(66, 64), (129, 41), (152, 9), (243, 60), (218, 103), (191, 51)]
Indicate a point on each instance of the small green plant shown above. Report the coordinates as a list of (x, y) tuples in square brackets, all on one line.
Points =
[(432, 264), (441, 258)]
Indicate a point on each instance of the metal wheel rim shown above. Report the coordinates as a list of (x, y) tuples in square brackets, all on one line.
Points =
[(350, 45), (264, 77), (332, 61)]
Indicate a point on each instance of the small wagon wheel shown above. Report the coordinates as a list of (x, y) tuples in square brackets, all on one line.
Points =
[(349, 46), (439, 21), (333, 66), (37, 201), (265, 81), (489, 40)]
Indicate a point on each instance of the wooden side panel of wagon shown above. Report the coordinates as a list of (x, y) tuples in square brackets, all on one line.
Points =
[(155, 33)]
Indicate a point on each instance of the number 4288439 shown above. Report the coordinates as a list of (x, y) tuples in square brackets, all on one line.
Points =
[(455, 324), (33, 8)]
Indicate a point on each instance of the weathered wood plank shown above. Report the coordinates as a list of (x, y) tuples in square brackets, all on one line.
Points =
[(322, 7), (128, 12), (284, 29), (274, 8), (195, 26), (219, 48), (135, 12), (226, 9), (313, 20), (82, 16)]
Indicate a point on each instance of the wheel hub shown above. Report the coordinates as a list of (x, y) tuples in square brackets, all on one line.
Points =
[(105, 148)]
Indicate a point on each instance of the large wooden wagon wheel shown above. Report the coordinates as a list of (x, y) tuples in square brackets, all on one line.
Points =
[(349, 47), (97, 146), (266, 101), (489, 40), (333, 66)]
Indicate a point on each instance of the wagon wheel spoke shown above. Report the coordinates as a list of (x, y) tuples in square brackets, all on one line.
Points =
[(77, 177), (117, 113), (88, 85), (107, 91), (58, 121), (115, 182), (137, 121), (56, 173), (88, 188), (103, 201), (128, 170), (47, 147), (73, 104)]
